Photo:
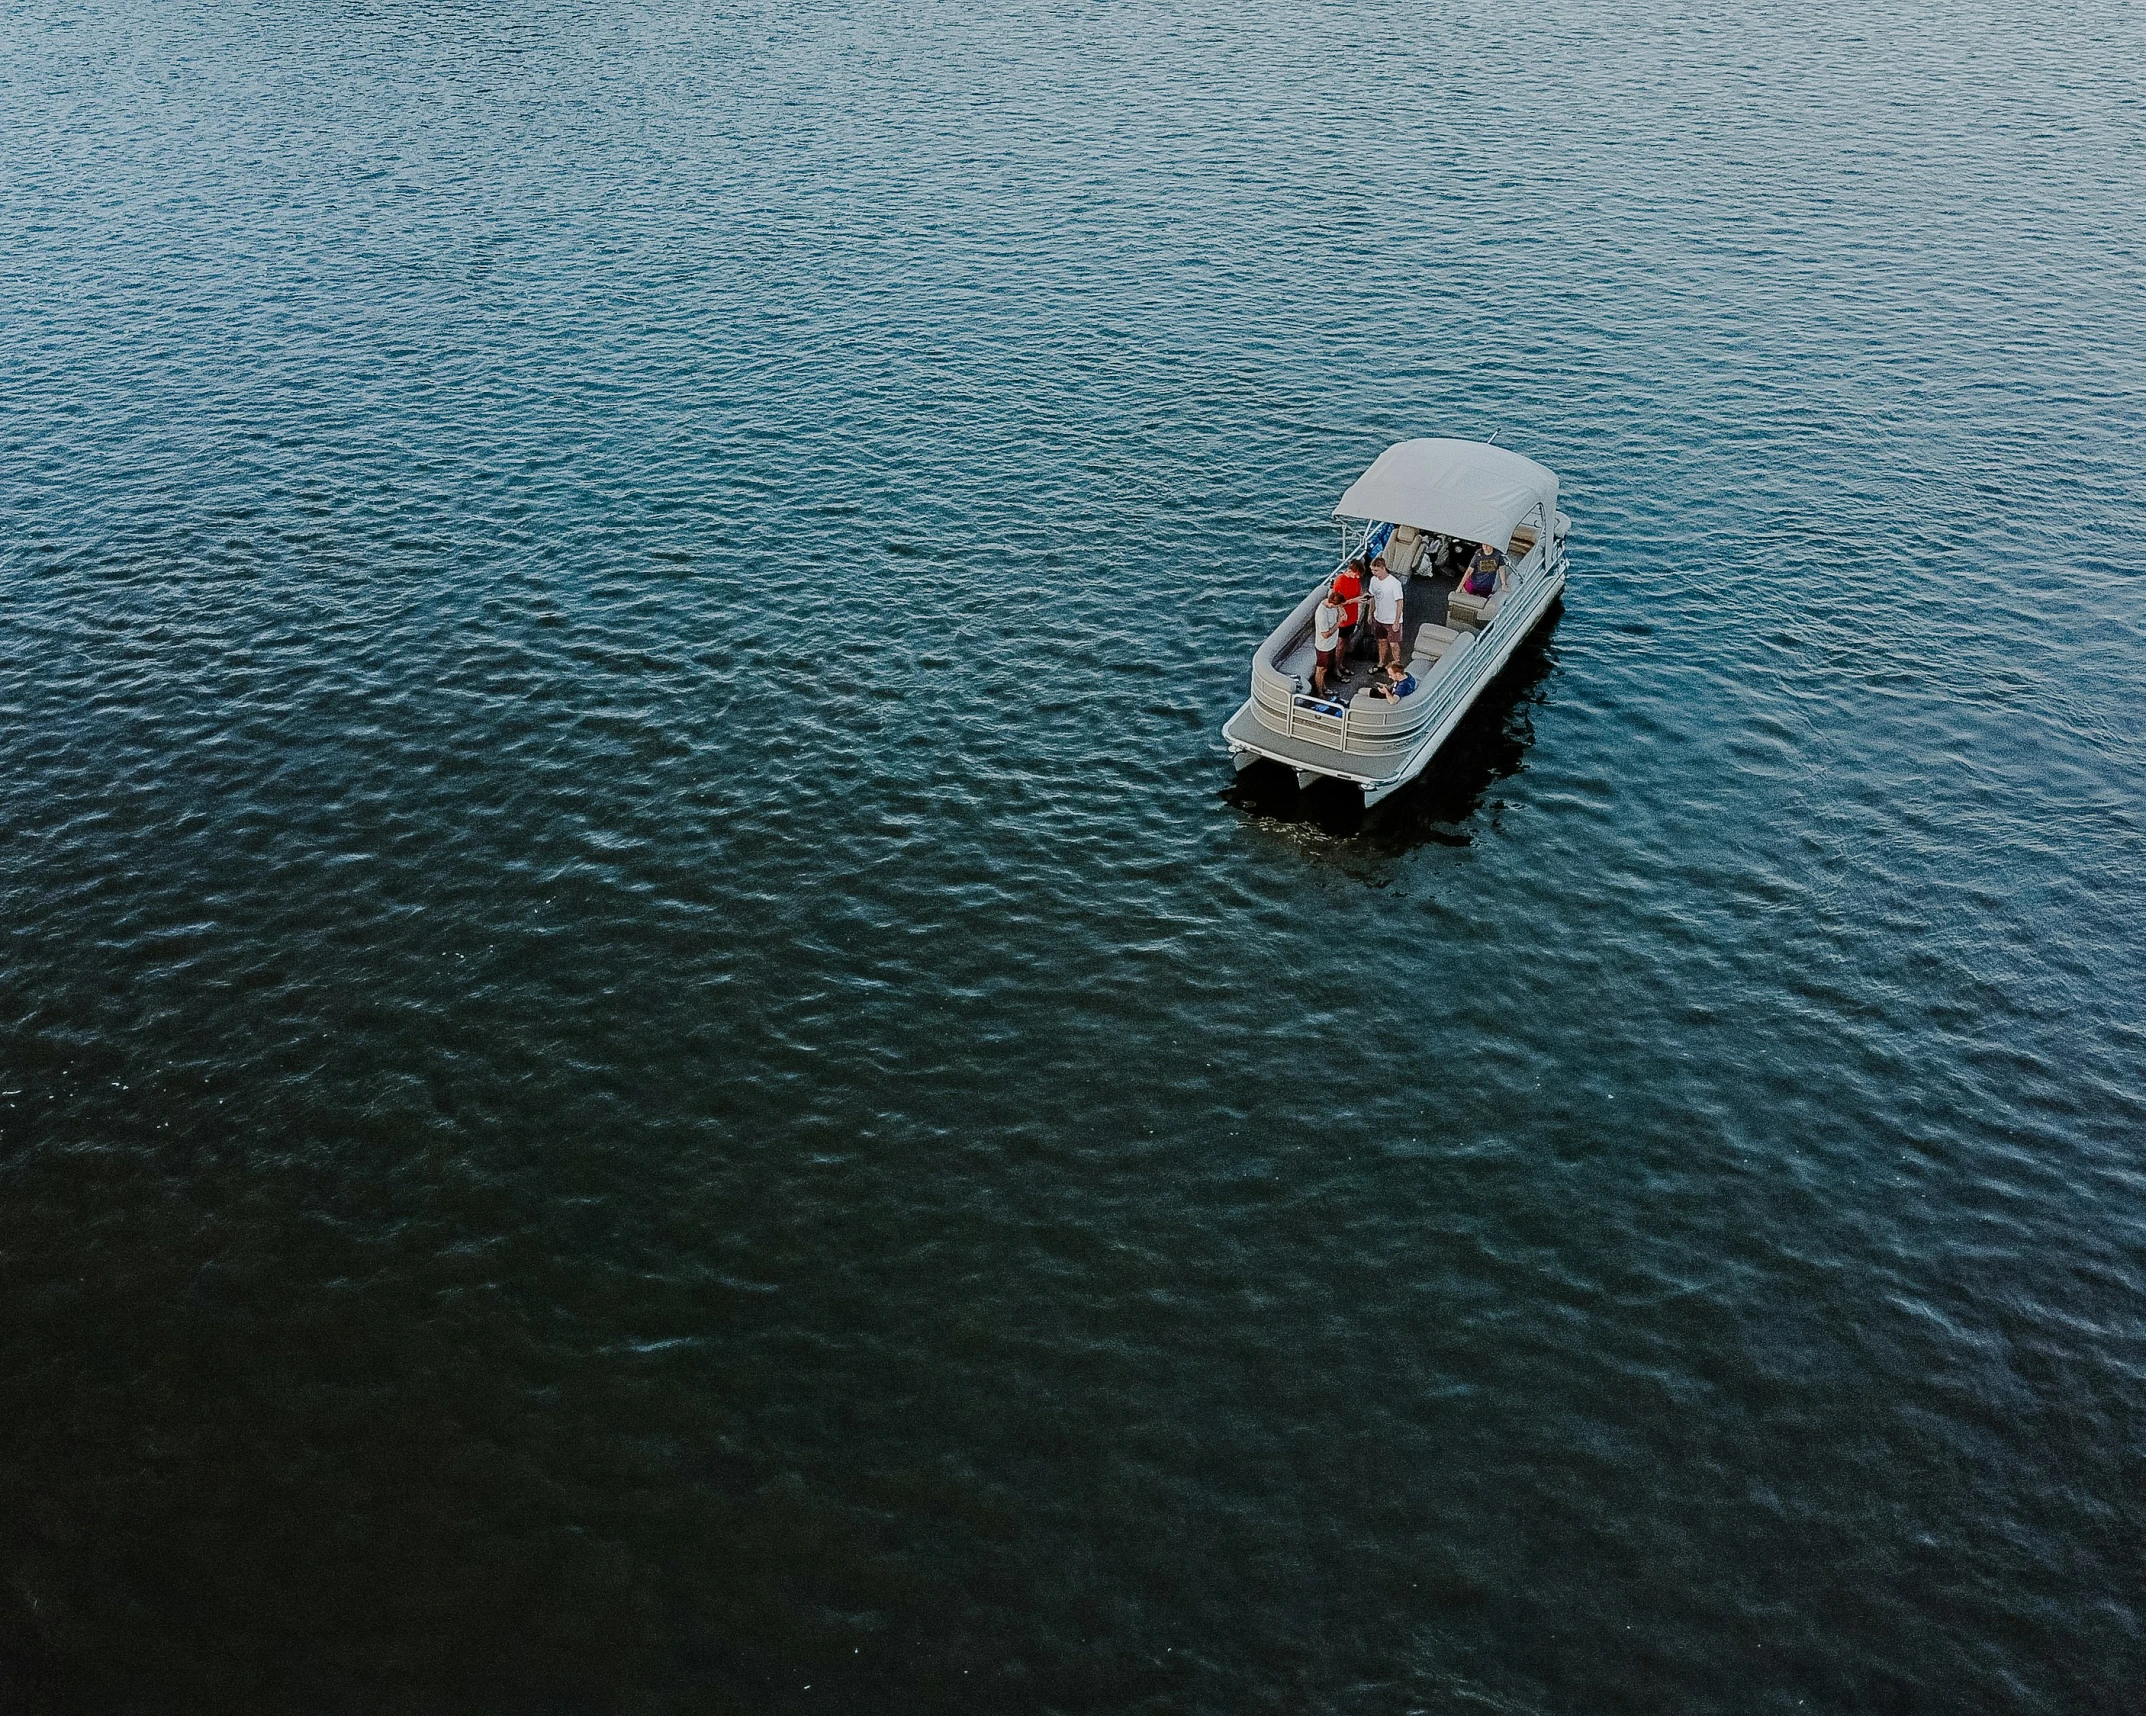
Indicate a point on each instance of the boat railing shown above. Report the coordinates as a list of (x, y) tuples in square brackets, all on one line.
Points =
[(1368, 547), (1439, 697), (1363, 729)]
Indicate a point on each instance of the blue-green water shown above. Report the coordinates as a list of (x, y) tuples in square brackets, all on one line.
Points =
[(651, 1063)]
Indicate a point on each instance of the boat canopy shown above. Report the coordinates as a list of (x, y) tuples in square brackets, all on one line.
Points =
[(1467, 489)]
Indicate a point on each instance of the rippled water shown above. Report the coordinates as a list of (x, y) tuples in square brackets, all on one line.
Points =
[(651, 1063)]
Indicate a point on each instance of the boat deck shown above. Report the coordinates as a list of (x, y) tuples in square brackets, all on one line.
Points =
[(1247, 729), (1380, 771), (1423, 601)]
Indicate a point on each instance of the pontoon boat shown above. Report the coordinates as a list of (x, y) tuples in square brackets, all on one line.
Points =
[(1425, 507)]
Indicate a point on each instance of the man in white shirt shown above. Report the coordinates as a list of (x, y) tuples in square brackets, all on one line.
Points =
[(1325, 639), (1386, 614)]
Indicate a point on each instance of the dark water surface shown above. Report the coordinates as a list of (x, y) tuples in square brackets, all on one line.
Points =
[(650, 1060)]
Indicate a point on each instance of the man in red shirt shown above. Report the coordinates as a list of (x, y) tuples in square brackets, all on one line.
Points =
[(1349, 592)]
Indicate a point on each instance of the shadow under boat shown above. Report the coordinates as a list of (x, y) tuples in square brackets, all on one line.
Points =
[(1489, 745)]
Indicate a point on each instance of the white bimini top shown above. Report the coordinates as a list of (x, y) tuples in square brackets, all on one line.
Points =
[(1467, 489)]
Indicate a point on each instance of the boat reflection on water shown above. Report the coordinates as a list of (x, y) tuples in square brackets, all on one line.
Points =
[(1489, 746)]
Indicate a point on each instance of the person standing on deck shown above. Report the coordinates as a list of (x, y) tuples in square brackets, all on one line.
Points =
[(1386, 613), (1326, 639), (1349, 592)]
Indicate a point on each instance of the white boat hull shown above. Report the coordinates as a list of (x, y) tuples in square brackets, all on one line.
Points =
[(1530, 618), (1422, 504)]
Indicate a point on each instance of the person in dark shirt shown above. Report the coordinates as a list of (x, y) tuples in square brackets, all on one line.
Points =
[(1482, 576)]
